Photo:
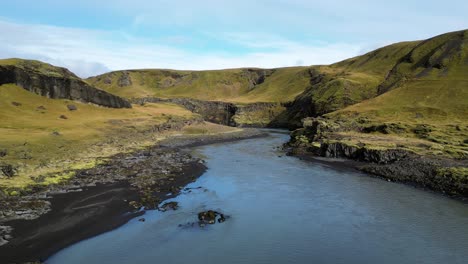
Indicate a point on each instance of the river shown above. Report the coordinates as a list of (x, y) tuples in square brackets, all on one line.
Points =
[(285, 210)]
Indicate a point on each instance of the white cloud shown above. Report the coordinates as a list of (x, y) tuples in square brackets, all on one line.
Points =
[(91, 52), (213, 34)]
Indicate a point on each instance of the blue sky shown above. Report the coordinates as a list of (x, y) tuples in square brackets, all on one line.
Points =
[(91, 38)]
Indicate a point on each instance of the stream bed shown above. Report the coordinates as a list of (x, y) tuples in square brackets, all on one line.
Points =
[(281, 209)]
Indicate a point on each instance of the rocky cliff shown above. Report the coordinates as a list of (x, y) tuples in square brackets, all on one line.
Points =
[(57, 83), (230, 114), (382, 154)]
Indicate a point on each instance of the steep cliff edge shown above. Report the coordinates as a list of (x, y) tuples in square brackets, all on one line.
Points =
[(226, 113), (55, 82)]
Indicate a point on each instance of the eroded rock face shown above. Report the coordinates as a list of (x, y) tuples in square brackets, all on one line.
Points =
[(340, 150), (256, 76), (125, 79), (258, 115), (67, 86), (212, 111), (224, 113)]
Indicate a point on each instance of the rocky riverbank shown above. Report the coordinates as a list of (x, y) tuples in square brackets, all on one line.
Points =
[(47, 219), (395, 161)]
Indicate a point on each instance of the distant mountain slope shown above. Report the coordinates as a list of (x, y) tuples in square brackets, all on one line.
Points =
[(346, 83), (428, 66), (442, 58), (234, 85), (310, 91), (430, 80), (54, 82), (421, 104)]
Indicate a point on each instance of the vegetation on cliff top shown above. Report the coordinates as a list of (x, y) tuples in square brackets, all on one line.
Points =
[(39, 67)]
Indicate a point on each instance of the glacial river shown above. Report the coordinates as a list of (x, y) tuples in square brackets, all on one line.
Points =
[(284, 210)]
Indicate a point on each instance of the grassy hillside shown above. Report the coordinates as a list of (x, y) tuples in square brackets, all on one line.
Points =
[(234, 85), (40, 136), (345, 83), (421, 104), (432, 64), (432, 117), (429, 84), (443, 58)]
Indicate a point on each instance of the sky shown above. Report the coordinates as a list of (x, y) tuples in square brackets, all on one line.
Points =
[(91, 37)]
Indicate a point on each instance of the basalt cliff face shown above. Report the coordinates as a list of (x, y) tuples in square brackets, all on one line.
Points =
[(408, 157), (57, 84), (225, 113)]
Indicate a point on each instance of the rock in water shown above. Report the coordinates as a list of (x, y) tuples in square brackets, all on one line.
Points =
[(209, 217), (169, 206)]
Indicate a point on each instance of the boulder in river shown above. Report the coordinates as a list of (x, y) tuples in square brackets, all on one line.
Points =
[(210, 217)]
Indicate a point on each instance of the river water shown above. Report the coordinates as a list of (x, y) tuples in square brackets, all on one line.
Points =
[(284, 210)]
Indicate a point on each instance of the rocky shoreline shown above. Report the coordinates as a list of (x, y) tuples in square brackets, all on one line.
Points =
[(440, 174), (34, 226)]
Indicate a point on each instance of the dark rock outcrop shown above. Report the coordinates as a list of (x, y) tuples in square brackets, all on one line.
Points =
[(395, 164), (169, 206), (66, 86), (398, 165), (224, 113), (8, 170), (72, 107), (125, 79), (256, 76), (258, 115), (212, 111), (341, 150), (210, 217)]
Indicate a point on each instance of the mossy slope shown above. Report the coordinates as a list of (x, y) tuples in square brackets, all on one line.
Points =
[(41, 136), (233, 85)]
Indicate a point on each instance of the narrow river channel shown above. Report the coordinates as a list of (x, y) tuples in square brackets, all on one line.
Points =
[(285, 210)]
